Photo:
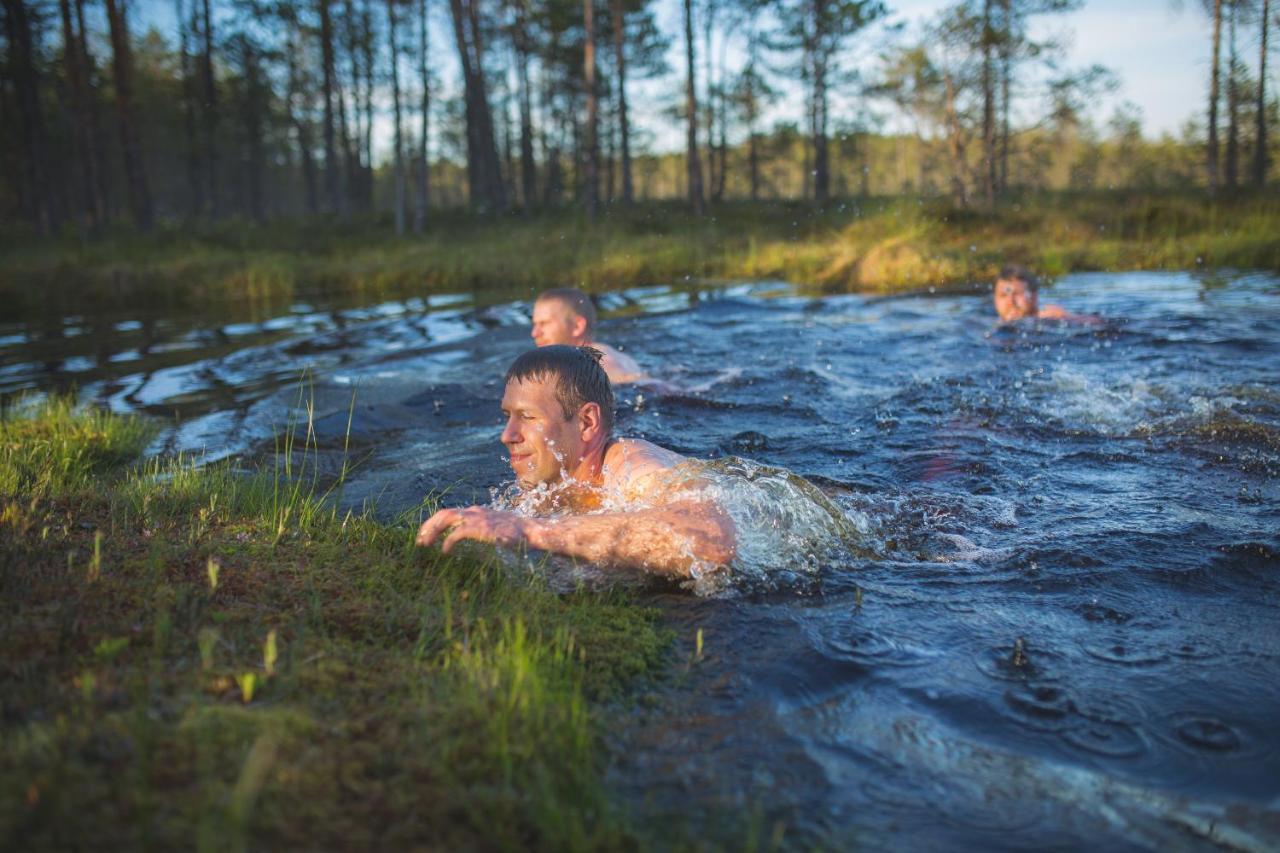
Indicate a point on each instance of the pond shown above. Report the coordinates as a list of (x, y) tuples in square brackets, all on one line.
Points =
[(1062, 626)]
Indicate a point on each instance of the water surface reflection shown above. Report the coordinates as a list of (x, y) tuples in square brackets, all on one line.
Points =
[(1063, 629)]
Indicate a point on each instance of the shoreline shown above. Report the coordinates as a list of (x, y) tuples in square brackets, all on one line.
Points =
[(197, 654), (876, 246)]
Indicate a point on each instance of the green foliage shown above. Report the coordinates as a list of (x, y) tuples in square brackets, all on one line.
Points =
[(874, 243), (50, 448), (333, 687)]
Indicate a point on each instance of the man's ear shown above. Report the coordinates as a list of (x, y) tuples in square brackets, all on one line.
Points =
[(589, 421), (579, 326)]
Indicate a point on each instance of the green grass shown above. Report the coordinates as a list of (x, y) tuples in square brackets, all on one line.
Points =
[(196, 657), (879, 244)]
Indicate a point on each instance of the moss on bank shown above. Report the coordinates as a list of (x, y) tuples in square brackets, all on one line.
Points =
[(191, 657), (878, 244)]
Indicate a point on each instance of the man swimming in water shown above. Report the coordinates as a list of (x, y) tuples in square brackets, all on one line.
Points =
[(567, 316), (1017, 297), (558, 406)]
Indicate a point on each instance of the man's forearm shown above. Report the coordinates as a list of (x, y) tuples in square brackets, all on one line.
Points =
[(667, 540)]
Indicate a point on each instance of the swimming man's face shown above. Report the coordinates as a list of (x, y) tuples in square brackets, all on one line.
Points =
[(543, 443), (554, 322), (1014, 299)]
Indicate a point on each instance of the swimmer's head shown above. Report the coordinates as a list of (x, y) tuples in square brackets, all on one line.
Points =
[(1016, 293), (563, 315), (558, 406)]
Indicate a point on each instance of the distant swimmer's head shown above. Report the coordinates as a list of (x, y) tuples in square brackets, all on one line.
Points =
[(558, 406), (563, 315), (1016, 293)]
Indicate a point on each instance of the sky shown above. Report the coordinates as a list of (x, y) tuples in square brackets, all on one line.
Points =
[(1158, 49)]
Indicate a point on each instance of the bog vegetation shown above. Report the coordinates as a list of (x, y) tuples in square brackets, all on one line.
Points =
[(195, 656)]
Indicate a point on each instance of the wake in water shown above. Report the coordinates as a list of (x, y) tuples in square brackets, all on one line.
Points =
[(786, 529)]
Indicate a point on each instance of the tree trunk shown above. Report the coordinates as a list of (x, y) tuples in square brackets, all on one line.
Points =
[(591, 189), (693, 164), (988, 110), (708, 21), (1212, 151), (122, 63), (806, 157), (508, 139), (398, 130), (624, 129), (301, 129), (253, 129), (484, 178), (424, 179), (353, 143), (210, 114), (331, 179), (98, 144), (821, 156), (722, 109), (528, 168), (1260, 142), (751, 110), (36, 174), (350, 157), (78, 83), (1006, 71), (955, 145), (610, 157), (366, 46), (1233, 103), (551, 151), (195, 180)]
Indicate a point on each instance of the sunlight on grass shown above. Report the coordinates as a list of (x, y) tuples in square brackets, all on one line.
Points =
[(871, 244), (251, 668), (51, 448)]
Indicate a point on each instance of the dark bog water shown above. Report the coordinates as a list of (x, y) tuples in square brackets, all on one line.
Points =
[(1066, 625)]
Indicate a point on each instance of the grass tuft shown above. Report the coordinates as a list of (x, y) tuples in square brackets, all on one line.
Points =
[(245, 668), (49, 448), (869, 244)]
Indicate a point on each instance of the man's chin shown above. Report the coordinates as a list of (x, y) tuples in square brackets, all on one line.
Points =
[(527, 482)]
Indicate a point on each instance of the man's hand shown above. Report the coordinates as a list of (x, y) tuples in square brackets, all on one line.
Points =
[(474, 522)]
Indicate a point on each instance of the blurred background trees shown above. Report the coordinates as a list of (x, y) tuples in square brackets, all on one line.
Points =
[(115, 113)]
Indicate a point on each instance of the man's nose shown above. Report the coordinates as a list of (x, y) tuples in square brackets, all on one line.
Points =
[(511, 433)]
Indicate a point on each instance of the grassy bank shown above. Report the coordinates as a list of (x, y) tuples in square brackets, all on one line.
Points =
[(875, 245), (194, 657)]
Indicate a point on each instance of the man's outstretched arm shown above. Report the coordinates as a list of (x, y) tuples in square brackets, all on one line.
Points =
[(668, 539)]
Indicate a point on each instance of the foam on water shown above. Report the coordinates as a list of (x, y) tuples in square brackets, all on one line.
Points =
[(785, 528)]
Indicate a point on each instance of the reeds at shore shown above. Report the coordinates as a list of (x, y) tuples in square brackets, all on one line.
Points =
[(195, 656), (879, 244)]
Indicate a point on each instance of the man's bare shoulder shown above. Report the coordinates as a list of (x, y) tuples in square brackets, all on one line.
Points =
[(618, 365), (631, 463), (1057, 312)]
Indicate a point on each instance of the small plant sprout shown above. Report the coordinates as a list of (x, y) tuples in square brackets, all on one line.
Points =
[(247, 682), (207, 640), (269, 653), (213, 568), (95, 562), (87, 682)]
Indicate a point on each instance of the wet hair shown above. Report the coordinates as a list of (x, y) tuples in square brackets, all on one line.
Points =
[(579, 376), (578, 302), (1017, 272)]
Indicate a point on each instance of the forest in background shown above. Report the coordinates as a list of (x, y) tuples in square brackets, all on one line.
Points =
[(259, 111)]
